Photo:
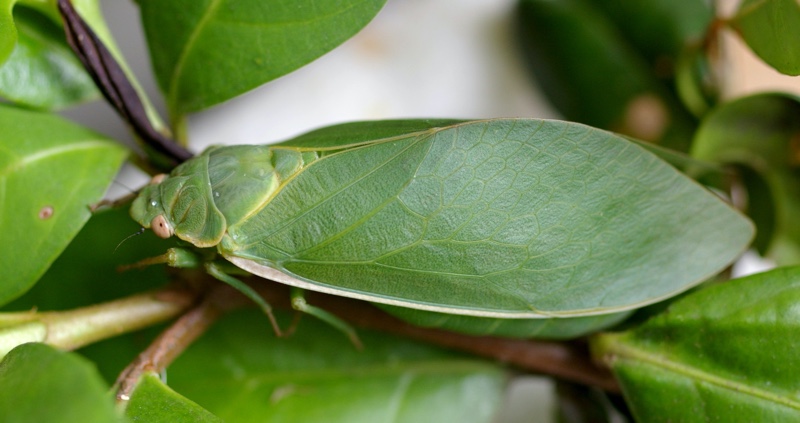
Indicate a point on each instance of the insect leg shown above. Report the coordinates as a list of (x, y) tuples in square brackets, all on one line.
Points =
[(174, 257), (300, 304), (247, 291)]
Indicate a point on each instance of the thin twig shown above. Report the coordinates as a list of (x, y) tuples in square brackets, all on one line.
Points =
[(175, 339)]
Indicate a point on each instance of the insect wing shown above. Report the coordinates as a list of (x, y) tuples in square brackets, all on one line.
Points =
[(500, 218)]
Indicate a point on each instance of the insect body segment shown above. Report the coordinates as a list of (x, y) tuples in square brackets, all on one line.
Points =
[(499, 218), (202, 197)]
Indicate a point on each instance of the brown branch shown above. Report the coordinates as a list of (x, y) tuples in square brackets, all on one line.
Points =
[(175, 339), (566, 360)]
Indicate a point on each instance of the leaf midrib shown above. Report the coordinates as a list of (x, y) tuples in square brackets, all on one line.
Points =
[(178, 70), (627, 352), (28, 159)]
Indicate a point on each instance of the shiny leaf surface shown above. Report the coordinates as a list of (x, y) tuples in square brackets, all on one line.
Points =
[(725, 353), (42, 72), (152, 401), (41, 384), (50, 172), (208, 51), (772, 29)]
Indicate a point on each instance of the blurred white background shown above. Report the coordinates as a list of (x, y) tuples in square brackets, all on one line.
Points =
[(418, 58)]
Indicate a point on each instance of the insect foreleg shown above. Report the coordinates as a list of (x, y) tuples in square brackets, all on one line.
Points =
[(300, 304), (174, 257)]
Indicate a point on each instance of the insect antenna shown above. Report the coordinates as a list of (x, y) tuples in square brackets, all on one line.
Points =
[(139, 232)]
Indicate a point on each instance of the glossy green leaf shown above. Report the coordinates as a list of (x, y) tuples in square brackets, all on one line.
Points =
[(620, 91), (42, 62), (50, 172), (208, 51), (43, 385), (89, 9), (42, 72), (154, 402), (498, 218), (557, 328), (772, 29), (8, 32), (761, 132), (725, 353), (242, 373)]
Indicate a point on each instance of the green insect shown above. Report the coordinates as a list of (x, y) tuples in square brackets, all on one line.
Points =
[(509, 219)]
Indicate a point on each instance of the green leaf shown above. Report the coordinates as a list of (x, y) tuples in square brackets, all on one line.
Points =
[(498, 218), (42, 72), (208, 51), (761, 133), (43, 385), (772, 29), (558, 328), (154, 402), (85, 274), (89, 9), (242, 373), (50, 172), (725, 353), (621, 90)]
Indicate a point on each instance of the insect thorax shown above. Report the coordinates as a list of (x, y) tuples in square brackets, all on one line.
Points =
[(244, 178)]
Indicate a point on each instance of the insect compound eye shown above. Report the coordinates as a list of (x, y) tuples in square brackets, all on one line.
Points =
[(161, 227), (158, 179)]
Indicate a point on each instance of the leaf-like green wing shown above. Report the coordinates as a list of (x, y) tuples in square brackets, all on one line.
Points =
[(353, 133), (208, 51), (500, 218), (50, 172), (41, 384), (772, 29), (726, 353), (555, 328)]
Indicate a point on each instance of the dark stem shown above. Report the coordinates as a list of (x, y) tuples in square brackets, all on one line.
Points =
[(110, 78)]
